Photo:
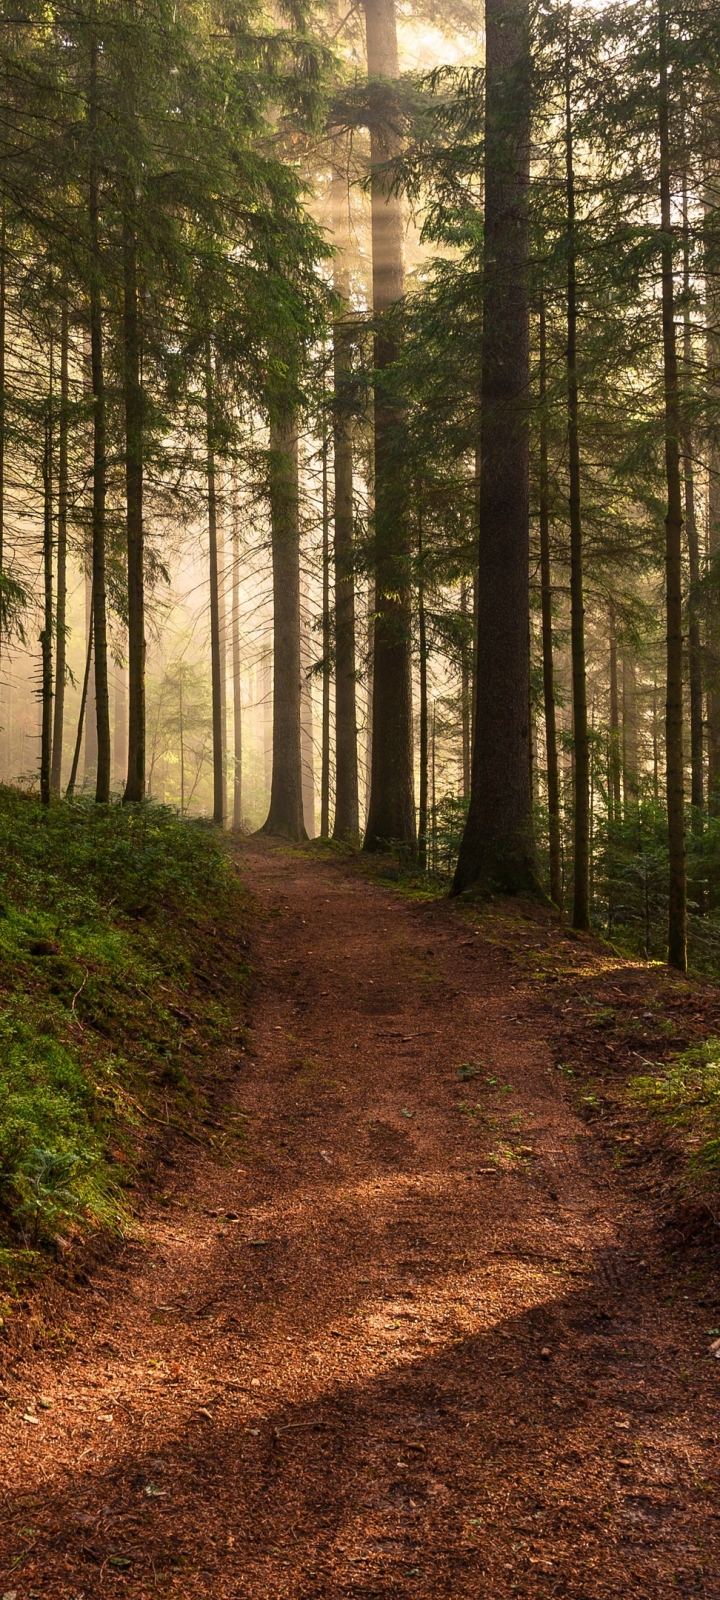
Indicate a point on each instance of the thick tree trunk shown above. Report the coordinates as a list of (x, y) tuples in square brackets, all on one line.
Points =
[(677, 909), (46, 636), (236, 679), (712, 357), (285, 816), (3, 335), (347, 812), (135, 783), (391, 812), (581, 743), (218, 731), (61, 604), (497, 848), (553, 778)]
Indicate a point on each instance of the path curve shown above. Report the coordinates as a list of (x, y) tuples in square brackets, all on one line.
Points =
[(410, 1337)]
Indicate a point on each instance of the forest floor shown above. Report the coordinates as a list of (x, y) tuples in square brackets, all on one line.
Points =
[(410, 1327)]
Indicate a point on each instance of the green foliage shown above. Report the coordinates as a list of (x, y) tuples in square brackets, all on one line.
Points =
[(687, 1097), (102, 918)]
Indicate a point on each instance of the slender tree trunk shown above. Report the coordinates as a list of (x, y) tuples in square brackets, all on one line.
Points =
[(553, 779), (615, 795), (347, 812), (307, 741), (391, 813), (325, 737), (285, 816), (581, 743), (218, 739), (465, 691), (712, 359), (83, 704), (677, 910), (697, 794), (497, 848), (423, 807), (120, 726), (134, 420), (237, 683), (102, 703), (61, 611), (46, 636), (3, 336), (630, 762)]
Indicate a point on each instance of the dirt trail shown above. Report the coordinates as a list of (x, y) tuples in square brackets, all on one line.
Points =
[(430, 1353)]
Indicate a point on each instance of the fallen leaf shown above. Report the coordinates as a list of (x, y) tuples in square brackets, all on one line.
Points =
[(28, 1417), (44, 1402), (152, 1491), (203, 1412), (406, 1113)]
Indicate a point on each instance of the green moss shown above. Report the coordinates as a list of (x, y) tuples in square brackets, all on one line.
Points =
[(687, 1096), (118, 938)]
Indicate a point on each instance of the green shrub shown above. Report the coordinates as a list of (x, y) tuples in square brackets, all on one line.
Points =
[(687, 1096)]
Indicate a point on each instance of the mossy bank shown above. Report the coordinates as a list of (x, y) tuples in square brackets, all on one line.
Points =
[(123, 967)]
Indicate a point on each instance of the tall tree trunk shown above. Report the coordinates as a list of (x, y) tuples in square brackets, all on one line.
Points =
[(102, 703), (83, 704), (134, 419), (285, 816), (61, 606), (712, 359), (391, 813), (677, 909), (307, 741), (347, 812), (697, 794), (236, 679), (325, 734), (3, 336), (422, 628), (630, 763), (615, 796), (222, 627), (553, 778), (120, 726), (497, 848), (46, 636), (581, 743), (466, 650), (218, 732)]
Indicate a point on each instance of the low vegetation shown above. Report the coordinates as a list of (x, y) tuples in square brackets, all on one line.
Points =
[(117, 925)]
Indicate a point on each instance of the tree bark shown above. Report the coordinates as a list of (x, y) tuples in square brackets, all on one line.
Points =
[(677, 908), (497, 847), (325, 732), (466, 650), (581, 743), (46, 636), (236, 678), (285, 816), (81, 715), (61, 604), (391, 812), (697, 791), (133, 397), (423, 797), (553, 778), (102, 703), (615, 793), (218, 740), (347, 812)]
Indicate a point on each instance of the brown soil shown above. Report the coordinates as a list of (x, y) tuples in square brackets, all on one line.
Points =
[(419, 1336)]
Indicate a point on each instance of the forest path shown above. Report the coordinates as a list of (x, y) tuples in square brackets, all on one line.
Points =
[(428, 1353)]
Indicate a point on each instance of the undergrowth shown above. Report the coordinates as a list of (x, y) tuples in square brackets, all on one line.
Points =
[(686, 1095), (113, 923)]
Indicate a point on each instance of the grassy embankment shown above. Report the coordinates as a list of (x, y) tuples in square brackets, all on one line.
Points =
[(121, 953)]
